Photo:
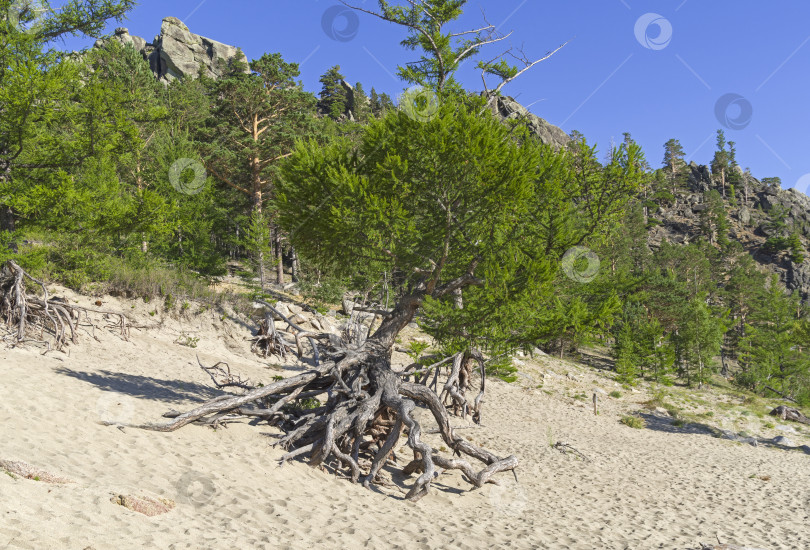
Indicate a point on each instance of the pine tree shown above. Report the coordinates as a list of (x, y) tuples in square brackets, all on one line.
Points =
[(721, 161), (255, 123), (333, 100), (700, 337), (673, 161), (33, 83), (771, 354), (713, 220), (362, 104), (380, 103)]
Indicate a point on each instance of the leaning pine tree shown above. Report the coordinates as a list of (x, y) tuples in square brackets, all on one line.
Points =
[(444, 199), (456, 205)]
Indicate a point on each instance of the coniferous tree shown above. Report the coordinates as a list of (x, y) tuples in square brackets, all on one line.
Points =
[(333, 100), (770, 349), (700, 337), (713, 220), (33, 81), (362, 104), (721, 161), (380, 103), (255, 122), (674, 162)]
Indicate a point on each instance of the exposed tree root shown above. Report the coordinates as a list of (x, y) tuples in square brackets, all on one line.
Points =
[(348, 414), (28, 314)]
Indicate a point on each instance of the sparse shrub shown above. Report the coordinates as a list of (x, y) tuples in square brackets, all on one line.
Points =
[(615, 394), (634, 422), (188, 341)]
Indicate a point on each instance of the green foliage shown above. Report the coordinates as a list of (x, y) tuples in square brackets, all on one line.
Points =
[(380, 103), (333, 97), (698, 340), (391, 201), (713, 220), (415, 350), (770, 351), (633, 422), (362, 107), (324, 290), (502, 367), (188, 341)]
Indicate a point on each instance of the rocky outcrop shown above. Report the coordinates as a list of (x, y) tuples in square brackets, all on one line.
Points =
[(177, 52), (507, 108), (748, 216)]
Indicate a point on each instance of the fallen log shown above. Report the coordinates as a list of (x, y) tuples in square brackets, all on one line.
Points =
[(789, 413)]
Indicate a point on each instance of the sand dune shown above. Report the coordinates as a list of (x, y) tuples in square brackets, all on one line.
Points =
[(660, 487)]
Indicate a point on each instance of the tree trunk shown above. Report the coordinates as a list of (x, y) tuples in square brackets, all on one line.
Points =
[(7, 223), (296, 268), (279, 259)]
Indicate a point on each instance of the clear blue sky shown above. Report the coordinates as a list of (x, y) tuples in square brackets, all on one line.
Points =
[(624, 71)]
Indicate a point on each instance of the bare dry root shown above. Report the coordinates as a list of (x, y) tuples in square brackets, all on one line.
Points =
[(348, 414), (29, 316)]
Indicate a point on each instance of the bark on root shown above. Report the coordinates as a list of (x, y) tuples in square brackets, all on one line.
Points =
[(349, 413), (38, 318)]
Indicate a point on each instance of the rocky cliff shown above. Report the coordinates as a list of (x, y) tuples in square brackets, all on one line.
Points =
[(750, 217), (508, 109), (177, 52)]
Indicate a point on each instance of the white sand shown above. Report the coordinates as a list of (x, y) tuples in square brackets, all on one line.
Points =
[(642, 488)]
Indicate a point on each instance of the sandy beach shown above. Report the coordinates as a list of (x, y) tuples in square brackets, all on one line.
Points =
[(664, 486)]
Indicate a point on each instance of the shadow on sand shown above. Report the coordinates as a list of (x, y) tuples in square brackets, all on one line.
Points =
[(170, 391)]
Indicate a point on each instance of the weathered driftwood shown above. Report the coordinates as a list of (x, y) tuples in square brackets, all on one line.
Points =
[(788, 413), (348, 412), (28, 314)]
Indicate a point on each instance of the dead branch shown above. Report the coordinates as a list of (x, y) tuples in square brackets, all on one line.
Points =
[(565, 449), (226, 378), (279, 343), (26, 313)]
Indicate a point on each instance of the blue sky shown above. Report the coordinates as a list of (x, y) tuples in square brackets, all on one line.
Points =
[(657, 69)]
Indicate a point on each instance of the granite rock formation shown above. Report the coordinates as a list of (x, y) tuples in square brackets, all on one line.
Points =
[(177, 52)]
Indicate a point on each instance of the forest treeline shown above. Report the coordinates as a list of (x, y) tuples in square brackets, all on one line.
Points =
[(109, 176)]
